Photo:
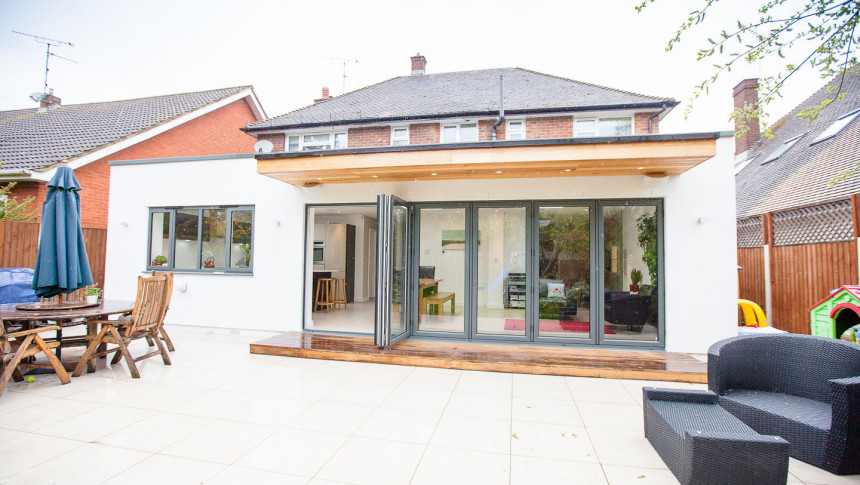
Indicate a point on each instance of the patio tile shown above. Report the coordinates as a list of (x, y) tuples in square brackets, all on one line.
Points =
[(8, 434), (587, 389), (236, 474), (448, 466), (44, 414), (213, 404), (256, 383), (305, 388), (470, 433), (545, 387), (811, 475), (220, 441), (558, 441), (479, 405), (414, 399), (11, 401), (358, 393), (48, 385), (367, 461), (90, 463), (399, 425), (625, 475), (156, 432), (29, 450), (624, 447), (635, 387), (527, 470), (161, 398), (332, 417), (166, 470), (112, 391), (293, 451), (432, 379), (96, 423), (382, 375), (334, 370), (537, 410), (608, 415), (271, 410), (497, 384)]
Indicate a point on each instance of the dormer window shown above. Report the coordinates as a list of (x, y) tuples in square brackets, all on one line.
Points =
[(836, 127), (399, 135), (459, 132), (516, 130), (316, 141), (786, 146), (621, 126)]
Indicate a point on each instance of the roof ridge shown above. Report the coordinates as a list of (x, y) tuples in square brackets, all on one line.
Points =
[(249, 86), (661, 98)]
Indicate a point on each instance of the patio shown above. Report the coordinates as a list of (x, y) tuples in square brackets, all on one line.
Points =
[(222, 415)]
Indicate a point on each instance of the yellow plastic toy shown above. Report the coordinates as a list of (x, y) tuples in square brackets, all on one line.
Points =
[(753, 314)]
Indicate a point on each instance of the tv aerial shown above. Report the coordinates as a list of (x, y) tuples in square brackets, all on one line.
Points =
[(344, 62), (48, 54)]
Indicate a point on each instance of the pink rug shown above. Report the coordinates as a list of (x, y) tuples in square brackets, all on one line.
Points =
[(553, 326)]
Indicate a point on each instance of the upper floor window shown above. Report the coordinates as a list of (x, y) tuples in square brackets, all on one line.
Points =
[(399, 135), (836, 127), (214, 238), (786, 146), (459, 132), (621, 126), (316, 141), (516, 130)]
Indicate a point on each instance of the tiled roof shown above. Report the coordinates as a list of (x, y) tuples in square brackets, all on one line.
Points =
[(800, 177), (34, 139), (451, 94)]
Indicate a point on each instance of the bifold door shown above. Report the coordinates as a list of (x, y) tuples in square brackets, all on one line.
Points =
[(393, 291)]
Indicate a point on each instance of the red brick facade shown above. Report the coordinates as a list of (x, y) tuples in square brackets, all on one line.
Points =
[(549, 127), (746, 93), (279, 140), (423, 133), (640, 124), (215, 133), (485, 130), (369, 136)]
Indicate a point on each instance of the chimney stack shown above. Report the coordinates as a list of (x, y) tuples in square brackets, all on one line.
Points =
[(325, 96), (746, 93), (49, 100), (419, 64)]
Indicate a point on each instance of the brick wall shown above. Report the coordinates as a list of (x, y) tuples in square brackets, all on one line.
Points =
[(215, 133), (640, 124), (549, 127), (746, 93), (485, 130), (36, 190), (279, 140), (370, 136), (423, 133)]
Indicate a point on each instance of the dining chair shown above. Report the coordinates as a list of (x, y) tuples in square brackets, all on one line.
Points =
[(143, 323), (168, 293), (18, 345)]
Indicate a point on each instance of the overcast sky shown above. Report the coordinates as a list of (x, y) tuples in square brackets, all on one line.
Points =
[(285, 48)]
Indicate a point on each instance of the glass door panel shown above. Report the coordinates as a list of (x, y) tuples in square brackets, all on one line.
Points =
[(442, 270), (630, 270), (501, 273), (564, 267), (399, 265)]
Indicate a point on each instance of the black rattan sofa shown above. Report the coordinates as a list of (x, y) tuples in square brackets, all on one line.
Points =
[(805, 389)]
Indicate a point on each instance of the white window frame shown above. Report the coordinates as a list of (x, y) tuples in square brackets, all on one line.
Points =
[(782, 149), (836, 127), (331, 134), (459, 126), (509, 131), (596, 120), (393, 139)]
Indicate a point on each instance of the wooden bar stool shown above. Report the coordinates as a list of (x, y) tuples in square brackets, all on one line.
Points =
[(324, 294), (339, 292)]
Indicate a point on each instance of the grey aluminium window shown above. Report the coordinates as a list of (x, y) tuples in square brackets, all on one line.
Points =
[(201, 239)]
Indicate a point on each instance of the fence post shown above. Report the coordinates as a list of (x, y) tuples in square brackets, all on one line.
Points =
[(855, 216), (767, 242)]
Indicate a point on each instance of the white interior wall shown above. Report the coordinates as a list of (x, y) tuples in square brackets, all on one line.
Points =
[(700, 257)]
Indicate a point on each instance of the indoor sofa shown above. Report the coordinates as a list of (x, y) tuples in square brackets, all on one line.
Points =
[(805, 389)]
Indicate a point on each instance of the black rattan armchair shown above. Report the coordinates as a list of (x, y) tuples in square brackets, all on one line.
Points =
[(805, 389)]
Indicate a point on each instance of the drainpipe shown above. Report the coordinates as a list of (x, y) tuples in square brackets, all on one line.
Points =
[(502, 106), (651, 118)]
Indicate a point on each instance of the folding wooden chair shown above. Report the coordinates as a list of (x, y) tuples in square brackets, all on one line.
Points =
[(143, 323), (167, 295), (21, 344)]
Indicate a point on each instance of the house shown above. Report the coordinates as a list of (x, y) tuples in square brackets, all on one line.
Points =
[(34, 141), (500, 205), (796, 230)]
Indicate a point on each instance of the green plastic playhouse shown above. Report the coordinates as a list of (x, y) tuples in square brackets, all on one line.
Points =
[(837, 313)]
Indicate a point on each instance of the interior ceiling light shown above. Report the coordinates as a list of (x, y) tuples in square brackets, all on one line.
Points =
[(498, 171), (374, 176), (434, 173), (640, 168), (567, 170)]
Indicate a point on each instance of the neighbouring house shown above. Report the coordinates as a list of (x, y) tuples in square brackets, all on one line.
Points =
[(34, 141), (797, 232), (492, 205)]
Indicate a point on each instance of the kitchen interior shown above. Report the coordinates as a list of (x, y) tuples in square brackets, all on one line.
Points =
[(342, 256)]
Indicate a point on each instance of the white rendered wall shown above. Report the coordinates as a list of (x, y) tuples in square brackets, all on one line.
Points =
[(700, 257)]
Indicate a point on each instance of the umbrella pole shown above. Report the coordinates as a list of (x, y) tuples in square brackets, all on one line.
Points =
[(60, 300)]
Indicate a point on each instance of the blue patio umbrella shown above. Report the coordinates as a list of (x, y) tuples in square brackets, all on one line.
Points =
[(61, 263)]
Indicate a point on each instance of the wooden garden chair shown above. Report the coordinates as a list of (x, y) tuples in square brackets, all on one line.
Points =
[(21, 344), (143, 323), (168, 293)]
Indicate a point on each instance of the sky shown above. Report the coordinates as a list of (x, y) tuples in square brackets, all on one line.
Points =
[(289, 50)]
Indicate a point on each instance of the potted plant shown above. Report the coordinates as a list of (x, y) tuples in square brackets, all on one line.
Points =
[(159, 260), (92, 292), (246, 248), (635, 279)]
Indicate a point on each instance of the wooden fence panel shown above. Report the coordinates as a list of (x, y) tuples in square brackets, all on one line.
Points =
[(804, 274), (19, 243), (751, 277)]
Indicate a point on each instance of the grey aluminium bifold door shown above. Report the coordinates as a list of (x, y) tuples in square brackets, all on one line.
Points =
[(393, 292)]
